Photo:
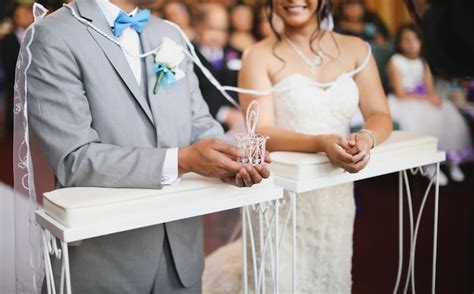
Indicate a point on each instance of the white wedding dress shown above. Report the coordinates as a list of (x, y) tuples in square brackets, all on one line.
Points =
[(325, 218)]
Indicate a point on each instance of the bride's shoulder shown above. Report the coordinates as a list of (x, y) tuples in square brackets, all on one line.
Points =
[(349, 43), (352, 49), (260, 51)]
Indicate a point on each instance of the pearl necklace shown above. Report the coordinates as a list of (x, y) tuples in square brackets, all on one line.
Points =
[(312, 64)]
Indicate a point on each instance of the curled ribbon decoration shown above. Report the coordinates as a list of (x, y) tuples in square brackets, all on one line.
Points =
[(165, 76), (253, 112)]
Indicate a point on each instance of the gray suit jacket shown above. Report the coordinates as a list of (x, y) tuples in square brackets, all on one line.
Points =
[(97, 128)]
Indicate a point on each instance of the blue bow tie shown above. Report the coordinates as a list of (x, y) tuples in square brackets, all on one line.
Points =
[(136, 22)]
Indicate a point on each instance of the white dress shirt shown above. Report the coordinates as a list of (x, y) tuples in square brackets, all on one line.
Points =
[(130, 40)]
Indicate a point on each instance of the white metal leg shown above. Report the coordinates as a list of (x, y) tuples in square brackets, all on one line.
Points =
[(50, 248), (400, 231), (293, 237), (65, 257), (277, 249), (268, 245), (410, 273), (262, 251), (244, 251), (47, 265), (63, 273), (253, 250), (435, 233), (414, 229), (272, 242)]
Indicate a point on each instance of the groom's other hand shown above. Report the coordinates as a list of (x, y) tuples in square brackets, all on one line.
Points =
[(210, 158), (250, 175)]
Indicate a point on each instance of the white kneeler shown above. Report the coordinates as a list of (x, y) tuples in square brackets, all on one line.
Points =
[(74, 214)]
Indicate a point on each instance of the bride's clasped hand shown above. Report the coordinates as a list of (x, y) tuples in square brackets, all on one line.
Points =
[(351, 153)]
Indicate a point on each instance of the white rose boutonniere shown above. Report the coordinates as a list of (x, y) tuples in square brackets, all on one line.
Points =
[(167, 59)]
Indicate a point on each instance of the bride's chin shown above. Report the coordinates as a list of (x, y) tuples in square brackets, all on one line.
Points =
[(296, 23)]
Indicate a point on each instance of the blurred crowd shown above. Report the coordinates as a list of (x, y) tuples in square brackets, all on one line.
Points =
[(222, 30)]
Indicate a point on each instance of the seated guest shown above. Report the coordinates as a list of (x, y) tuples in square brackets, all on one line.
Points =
[(418, 108), (222, 61), (179, 13), (22, 17), (242, 22), (354, 19)]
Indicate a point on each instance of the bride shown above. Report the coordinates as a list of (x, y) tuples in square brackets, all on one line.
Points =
[(325, 77)]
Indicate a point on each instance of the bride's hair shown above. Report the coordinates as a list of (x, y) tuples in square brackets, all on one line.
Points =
[(323, 10)]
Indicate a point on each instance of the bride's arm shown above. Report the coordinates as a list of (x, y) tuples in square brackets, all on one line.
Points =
[(373, 103)]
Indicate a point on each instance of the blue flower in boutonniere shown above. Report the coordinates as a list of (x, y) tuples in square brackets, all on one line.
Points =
[(167, 59)]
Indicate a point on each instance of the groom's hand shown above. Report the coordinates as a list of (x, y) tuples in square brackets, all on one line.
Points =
[(250, 175), (210, 158)]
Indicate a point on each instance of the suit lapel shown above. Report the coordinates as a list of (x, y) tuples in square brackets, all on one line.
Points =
[(148, 44), (89, 10)]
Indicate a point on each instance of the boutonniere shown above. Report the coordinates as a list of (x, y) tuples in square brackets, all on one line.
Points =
[(167, 59)]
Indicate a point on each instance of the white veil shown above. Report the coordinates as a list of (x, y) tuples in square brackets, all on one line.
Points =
[(28, 268)]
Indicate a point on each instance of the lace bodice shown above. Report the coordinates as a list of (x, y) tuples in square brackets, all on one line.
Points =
[(309, 107)]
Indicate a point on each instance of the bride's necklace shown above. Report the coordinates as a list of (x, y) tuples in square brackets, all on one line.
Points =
[(312, 64)]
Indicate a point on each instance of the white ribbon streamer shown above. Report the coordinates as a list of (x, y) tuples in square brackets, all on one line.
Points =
[(191, 54)]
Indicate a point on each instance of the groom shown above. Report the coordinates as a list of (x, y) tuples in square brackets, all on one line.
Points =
[(99, 122)]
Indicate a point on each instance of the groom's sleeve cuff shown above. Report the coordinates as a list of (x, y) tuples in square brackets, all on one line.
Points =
[(169, 174)]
